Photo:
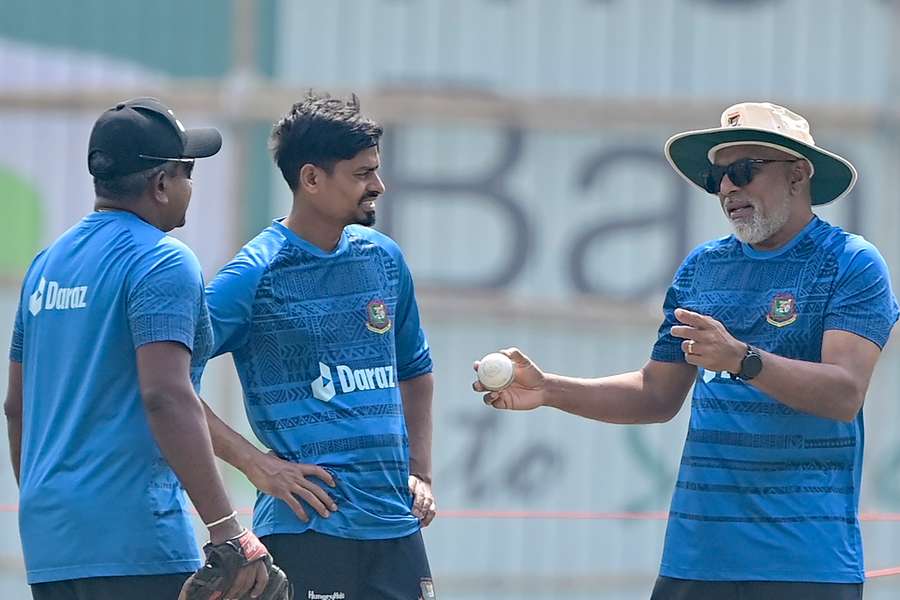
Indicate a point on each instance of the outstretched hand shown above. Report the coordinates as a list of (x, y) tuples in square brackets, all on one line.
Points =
[(527, 389)]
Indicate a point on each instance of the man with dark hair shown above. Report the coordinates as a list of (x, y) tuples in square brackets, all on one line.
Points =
[(104, 424), (320, 315), (778, 329)]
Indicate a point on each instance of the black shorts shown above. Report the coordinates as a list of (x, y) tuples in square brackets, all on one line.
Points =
[(324, 567), (667, 588), (132, 587)]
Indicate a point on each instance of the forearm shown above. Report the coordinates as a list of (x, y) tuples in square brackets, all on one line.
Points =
[(14, 431), (629, 398), (227, 443), (13, 410), (820, 389), (417, 396), (271, 475), (180, 430)]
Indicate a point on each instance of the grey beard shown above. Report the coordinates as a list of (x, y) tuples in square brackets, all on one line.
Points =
[(761, 228)]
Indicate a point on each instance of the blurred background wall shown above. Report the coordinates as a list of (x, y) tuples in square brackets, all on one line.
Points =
[(528, 188)]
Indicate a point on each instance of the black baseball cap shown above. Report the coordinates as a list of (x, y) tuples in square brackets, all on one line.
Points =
[(141, 133)]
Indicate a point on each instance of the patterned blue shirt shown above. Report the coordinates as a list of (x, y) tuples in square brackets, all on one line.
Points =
[(765, 492), (96, 496), (321, 341)]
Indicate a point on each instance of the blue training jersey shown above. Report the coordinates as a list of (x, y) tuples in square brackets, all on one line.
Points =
[(765, 492), (96, 496), (321, 341)]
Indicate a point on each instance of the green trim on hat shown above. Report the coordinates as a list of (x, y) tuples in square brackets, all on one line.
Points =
[(687, 152)]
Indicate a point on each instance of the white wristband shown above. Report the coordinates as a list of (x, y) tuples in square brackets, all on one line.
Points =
[(222, 520)]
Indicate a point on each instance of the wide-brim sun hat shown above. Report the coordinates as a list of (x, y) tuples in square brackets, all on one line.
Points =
[(762, 124)]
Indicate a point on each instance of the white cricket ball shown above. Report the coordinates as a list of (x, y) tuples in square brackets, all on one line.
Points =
[(496, 371)]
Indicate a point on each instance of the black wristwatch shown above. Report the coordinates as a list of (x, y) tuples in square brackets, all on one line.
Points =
[(751, 364)]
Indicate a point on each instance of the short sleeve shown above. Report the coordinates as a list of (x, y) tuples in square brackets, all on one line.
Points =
[(863, 301), (16, 346), (165, 301), (413, 353), (667, 347), (230, 298)]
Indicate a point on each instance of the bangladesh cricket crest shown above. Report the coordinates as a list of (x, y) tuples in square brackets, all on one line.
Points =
[(378, 319), (783, 310)]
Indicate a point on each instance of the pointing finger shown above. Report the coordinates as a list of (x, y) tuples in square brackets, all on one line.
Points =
[(683, 331), (691, 318)]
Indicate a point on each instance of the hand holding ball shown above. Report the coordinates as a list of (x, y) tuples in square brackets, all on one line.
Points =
[(496, 371)]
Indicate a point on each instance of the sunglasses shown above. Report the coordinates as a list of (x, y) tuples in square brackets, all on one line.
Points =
[(740, 172)]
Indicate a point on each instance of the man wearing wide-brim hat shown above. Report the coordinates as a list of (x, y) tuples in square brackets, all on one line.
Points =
[(778, 328)]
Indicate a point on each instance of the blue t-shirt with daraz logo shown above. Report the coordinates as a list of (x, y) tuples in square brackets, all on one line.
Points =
[(321, 341), (765, 492), (96, 496)]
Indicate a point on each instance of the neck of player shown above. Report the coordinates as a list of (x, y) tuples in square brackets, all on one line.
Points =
[(313, 227)]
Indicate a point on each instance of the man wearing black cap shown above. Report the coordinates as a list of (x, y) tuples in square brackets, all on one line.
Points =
[(104, 424)]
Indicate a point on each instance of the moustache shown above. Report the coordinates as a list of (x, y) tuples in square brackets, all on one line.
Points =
[(731, 202)]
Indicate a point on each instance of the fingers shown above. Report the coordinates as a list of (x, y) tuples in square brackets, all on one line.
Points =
[(317, 471), (691, 318), (476, 385), (242, 582), (288, 481), (496, 400), (520, 361), (516, 355), (418, 507), (513, 353), (182, 595), (320, 495), (690, 347), (429, 518), (295, 506), (418, 493), (315, 497), (692, 352), (262, 579), (429, 512), (423, 501), (684, 331)]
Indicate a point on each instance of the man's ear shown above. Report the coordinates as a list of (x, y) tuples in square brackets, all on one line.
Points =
[(799, 175), (160, 183), (310, 178)]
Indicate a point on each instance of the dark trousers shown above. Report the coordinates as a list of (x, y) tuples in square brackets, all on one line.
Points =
[(128, 587), (667, 588), (326, 566)]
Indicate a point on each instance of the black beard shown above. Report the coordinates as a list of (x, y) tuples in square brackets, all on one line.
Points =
[(368, 220)]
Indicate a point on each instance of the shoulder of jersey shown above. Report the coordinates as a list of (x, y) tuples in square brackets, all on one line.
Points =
[(372, 235), (716, 245)]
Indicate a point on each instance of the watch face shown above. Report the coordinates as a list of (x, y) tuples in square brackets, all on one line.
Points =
[(751, 365)]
